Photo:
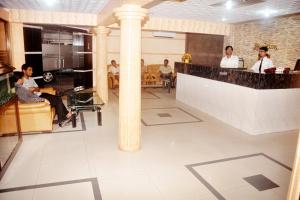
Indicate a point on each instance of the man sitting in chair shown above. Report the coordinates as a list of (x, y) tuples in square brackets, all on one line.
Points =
[(28, 92), (113, 74), (114, 69), (166, 71)]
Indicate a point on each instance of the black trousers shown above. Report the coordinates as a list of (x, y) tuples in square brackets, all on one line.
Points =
[(56, 102)]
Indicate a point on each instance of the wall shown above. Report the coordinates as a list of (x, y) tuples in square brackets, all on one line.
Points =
[(154, 49), (183, 26), (206, 49), (282, 31), (47, 17)]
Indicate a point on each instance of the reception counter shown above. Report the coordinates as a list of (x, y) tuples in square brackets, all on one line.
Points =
[(254, 103)]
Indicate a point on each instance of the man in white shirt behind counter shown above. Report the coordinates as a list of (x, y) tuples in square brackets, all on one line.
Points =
[(264, 62), (229, 61)]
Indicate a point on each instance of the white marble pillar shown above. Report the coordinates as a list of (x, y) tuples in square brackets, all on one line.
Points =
[(101, 62), (130, 17)]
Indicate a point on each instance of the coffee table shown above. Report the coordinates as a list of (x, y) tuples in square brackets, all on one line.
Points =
[(84, 100)]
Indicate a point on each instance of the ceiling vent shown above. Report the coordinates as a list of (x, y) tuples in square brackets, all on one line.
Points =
[(164, 34), (238, 3)]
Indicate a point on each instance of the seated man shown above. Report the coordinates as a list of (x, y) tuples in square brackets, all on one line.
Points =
[(28, 92), (113, 74), (166, 71), (114, 69)]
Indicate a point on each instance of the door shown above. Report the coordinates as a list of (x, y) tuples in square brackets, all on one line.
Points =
[(57, 50)]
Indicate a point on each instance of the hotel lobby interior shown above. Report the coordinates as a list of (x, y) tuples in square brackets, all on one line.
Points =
[(165, 99)]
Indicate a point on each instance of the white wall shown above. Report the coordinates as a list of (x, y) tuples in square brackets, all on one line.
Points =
[(154, 49)]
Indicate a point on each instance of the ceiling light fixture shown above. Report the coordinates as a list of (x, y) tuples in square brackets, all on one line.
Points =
[(229, 4), (267, 12), (50, 3), (224, 19)]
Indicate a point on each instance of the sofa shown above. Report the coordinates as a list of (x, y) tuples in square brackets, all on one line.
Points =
[(112, 81), (34, 117)]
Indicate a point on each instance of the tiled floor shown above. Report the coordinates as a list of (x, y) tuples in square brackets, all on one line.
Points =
[(181, 137)]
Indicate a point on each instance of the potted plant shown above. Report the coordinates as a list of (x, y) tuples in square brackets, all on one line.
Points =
[(186, 58)]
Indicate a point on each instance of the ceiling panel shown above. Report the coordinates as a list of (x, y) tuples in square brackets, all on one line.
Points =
[(203, 10), (83, 6)]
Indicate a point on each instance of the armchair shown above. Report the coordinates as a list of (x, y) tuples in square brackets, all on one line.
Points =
[(154, 74), (112, 81), (34, 117)]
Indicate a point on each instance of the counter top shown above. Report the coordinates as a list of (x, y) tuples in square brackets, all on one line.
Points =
[(242, 77)]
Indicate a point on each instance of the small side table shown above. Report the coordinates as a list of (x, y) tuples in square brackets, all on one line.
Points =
[(85, 100)]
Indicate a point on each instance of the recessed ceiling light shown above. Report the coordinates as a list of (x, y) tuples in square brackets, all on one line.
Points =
[(229, 4), (50, 3), (267, 12)]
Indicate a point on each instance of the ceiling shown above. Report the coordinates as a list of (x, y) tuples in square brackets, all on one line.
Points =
[(189, 9), (201, 10), (83, 6)]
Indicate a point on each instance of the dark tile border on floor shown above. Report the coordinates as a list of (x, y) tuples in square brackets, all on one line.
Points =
[(197, 119), (149, 92), (93, 181), (217, 194), (83, 128)]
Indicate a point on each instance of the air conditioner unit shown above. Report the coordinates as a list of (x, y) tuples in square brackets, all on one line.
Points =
[(164, 34)]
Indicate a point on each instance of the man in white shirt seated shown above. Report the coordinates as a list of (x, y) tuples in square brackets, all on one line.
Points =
[(166, 71), (114, 69), (229, 61), (264, 62)]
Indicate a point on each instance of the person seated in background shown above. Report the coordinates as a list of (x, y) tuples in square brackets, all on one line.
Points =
[(145, 76), (114, 69), (166, 71), (264, 62), (229, 60), (113, 74), (143, 67), (28, 91)]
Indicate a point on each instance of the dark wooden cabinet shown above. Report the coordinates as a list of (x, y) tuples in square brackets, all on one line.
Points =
[(32, 39), (205, 49), (33, 51)]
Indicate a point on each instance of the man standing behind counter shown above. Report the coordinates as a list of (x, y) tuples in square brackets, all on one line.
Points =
[(229, 61), (264, 62)]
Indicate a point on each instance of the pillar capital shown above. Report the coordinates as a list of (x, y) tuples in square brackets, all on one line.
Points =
[(130, 11), (101, 30)]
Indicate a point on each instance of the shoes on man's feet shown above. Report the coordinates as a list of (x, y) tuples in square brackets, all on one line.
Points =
[(65, 122)]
